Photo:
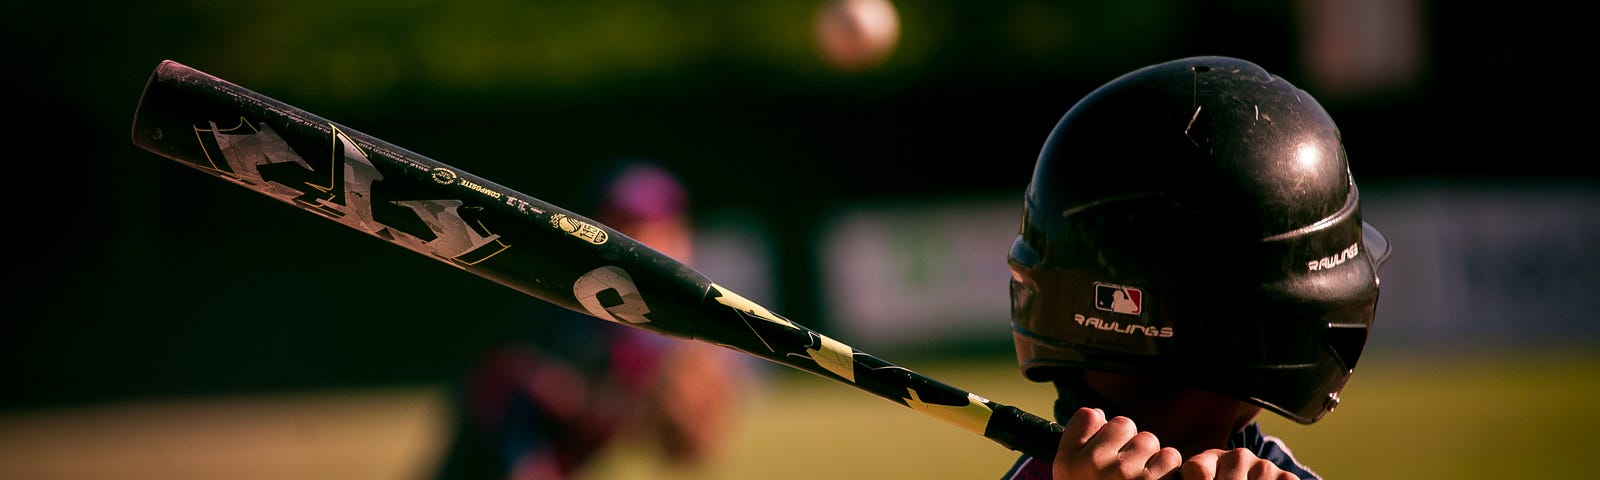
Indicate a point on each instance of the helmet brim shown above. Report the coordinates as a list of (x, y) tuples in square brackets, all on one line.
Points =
[(1377, 245)]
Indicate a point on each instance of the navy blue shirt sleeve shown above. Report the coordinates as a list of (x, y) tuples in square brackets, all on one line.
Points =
[(1271, 449)]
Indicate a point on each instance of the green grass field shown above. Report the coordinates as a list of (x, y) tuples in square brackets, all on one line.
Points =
[(1461, 415), (1486, 414)]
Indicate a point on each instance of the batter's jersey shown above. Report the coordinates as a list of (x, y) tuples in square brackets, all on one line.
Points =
[(1267, 447)]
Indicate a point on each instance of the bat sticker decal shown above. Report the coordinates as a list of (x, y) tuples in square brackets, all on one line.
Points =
[(579, 228), (249, 152), (611, 279)]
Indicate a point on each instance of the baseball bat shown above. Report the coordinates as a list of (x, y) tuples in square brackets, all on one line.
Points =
[(494, 232)]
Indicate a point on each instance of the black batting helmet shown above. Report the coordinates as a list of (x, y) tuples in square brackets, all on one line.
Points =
[(1196, 221)]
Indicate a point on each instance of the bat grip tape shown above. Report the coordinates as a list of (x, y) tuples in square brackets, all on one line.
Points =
[(1024, 432)]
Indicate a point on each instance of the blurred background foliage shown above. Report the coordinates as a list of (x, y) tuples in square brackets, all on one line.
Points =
[(135, 278)]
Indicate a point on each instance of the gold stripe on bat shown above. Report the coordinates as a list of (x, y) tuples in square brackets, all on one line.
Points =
[(736, 302), (832, 355), (974, 416), (836, 357)]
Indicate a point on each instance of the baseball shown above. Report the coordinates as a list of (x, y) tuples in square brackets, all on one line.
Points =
[(853, 35)]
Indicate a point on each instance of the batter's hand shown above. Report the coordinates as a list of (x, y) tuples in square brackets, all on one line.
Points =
[(1093, 448), (1232, 464)]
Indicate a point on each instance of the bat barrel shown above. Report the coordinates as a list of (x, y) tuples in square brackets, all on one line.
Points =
[(516, 240)]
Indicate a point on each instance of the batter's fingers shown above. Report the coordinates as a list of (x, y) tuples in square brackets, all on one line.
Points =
[(1265, 470), (1082, 426), (1136, 455), (1105, 449), (1236, 464), (1202, 466), (1164, 464), (1071, 458), (1144, 443)]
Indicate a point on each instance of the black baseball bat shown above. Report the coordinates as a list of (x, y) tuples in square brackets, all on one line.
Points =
[(516, 240)]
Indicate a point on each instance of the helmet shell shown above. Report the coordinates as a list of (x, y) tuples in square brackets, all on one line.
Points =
[(1196, 221)]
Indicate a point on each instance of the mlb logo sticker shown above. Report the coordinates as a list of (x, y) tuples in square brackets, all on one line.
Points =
[(1118, 299)]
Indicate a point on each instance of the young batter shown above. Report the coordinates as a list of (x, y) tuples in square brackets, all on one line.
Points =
[(1192, 253)]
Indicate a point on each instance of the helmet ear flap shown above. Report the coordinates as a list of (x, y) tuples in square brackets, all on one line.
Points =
[(1021, 299), (1347, 340)]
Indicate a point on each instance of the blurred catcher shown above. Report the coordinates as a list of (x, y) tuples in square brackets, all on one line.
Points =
[(548, 405)]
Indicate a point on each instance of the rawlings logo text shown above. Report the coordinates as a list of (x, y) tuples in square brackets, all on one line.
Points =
[(1335, 260), (1145, 330)]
